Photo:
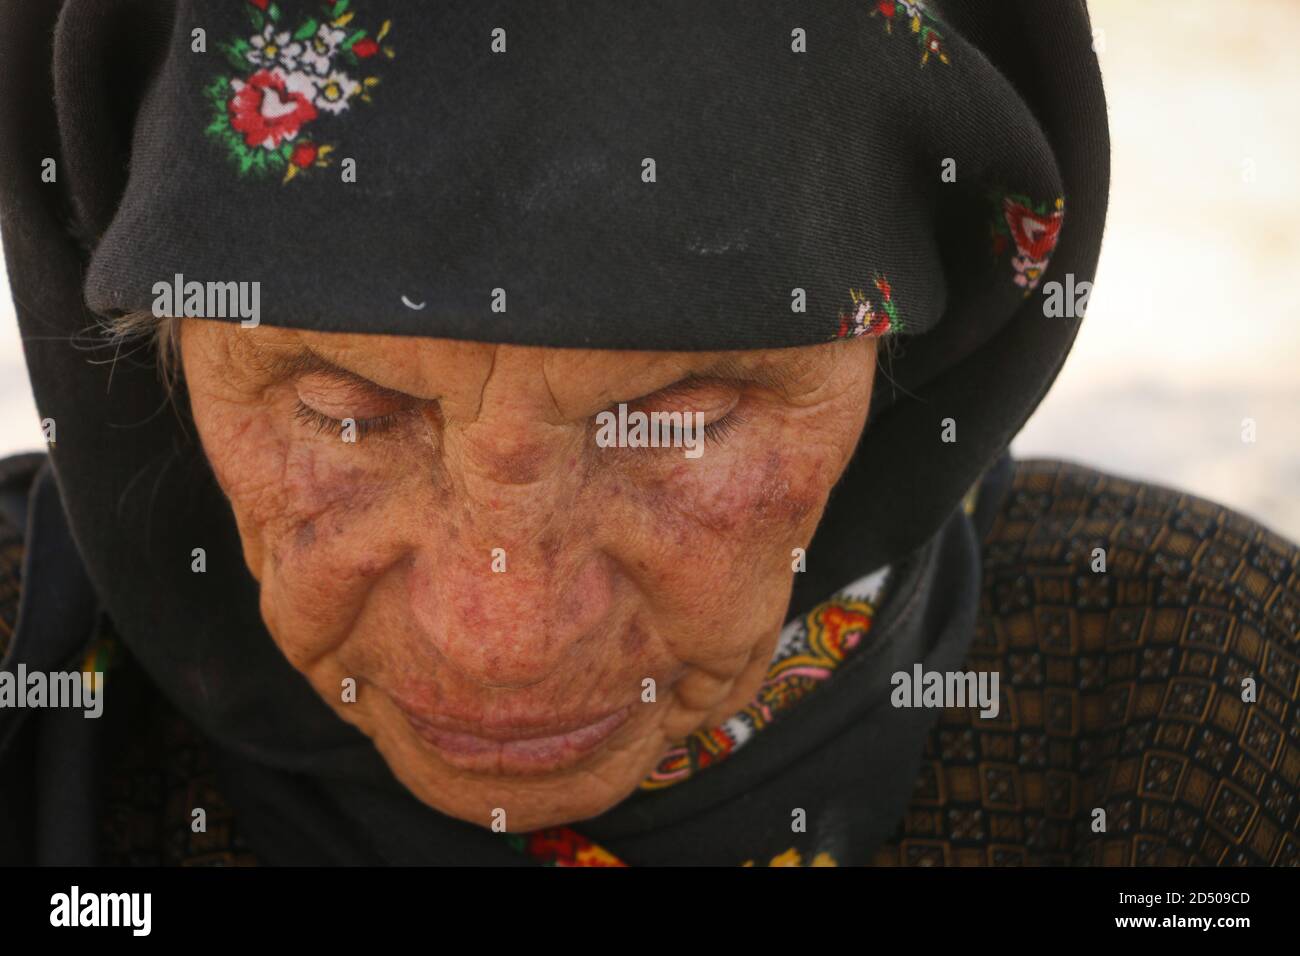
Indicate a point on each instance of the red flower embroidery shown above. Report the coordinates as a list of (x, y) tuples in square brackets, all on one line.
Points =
[(1032, 228), (1034, 234), (260, 4), (304, 154), (267, 112), (563, 847), (365, 48)]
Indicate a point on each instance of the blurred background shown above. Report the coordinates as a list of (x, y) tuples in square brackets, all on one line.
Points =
[(1194, 322)]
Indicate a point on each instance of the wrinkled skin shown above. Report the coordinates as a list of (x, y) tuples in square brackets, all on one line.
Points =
[(375, 557)]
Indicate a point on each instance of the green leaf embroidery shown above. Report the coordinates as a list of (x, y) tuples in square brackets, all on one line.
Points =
[(307, 30), (273, 11), (237, 54), (347, 44), (340, 8), (894, 323), (219, 94)]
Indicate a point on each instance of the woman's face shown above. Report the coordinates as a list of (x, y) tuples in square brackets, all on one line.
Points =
[(530, 619)]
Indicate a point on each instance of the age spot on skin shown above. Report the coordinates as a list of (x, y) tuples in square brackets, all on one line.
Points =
[(523, 466), (779, 498), (634, 639), (305, 535)]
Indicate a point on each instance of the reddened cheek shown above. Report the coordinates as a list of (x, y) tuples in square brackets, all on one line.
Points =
[(774, 494), (303, 505), (765, 496)]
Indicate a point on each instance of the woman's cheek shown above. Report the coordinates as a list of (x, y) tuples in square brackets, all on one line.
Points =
[(763, 490), (716, 536), (316, 519)]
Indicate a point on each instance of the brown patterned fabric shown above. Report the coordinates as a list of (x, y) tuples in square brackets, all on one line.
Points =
[(1121, 691)]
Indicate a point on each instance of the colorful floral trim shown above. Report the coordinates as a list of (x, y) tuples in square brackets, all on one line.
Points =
[(1032, 229), (288, 79), (791, 857), (919, 21), (560, 846), (809, 651), (864, 318)]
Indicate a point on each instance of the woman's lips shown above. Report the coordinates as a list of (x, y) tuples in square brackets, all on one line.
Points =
[(517, 752)]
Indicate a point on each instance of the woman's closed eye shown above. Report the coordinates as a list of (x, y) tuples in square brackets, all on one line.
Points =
[(328, 403), (714, 405)]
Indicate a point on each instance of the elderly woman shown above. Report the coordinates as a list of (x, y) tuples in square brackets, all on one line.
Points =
[(582, 440)]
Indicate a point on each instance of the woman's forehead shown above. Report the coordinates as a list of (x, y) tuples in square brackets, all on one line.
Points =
[(433, 367)]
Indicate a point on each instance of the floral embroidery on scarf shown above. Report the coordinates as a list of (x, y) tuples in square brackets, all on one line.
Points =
[(290, 78), (1032, 229), (919, 21), (864, 318), (560, 846), (791, 857), (807, 654)]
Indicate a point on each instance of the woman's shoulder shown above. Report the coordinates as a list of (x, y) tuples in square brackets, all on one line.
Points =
[(1099, 542), (1145, 642)]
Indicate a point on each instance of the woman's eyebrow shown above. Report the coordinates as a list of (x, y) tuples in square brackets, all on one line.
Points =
[(304, 361), (776, 375), (733, 370)]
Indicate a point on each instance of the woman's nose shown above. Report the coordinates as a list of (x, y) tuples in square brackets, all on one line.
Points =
[(506, 585), (511, 615)]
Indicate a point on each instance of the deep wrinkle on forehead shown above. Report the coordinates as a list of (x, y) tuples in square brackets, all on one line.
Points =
[(577, 382)]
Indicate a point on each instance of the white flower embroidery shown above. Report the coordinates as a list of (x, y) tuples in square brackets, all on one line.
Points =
[(272, 49), (334, 91), (861, 318), (321, 48), (1028, 270)]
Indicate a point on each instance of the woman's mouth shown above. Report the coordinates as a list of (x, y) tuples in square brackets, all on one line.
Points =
[(515, 751)]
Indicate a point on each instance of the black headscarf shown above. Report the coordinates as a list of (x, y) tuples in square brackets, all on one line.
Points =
[(944, 162)]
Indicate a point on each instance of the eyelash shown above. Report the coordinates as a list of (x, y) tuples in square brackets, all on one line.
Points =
[(717, 431), (313, 419)]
